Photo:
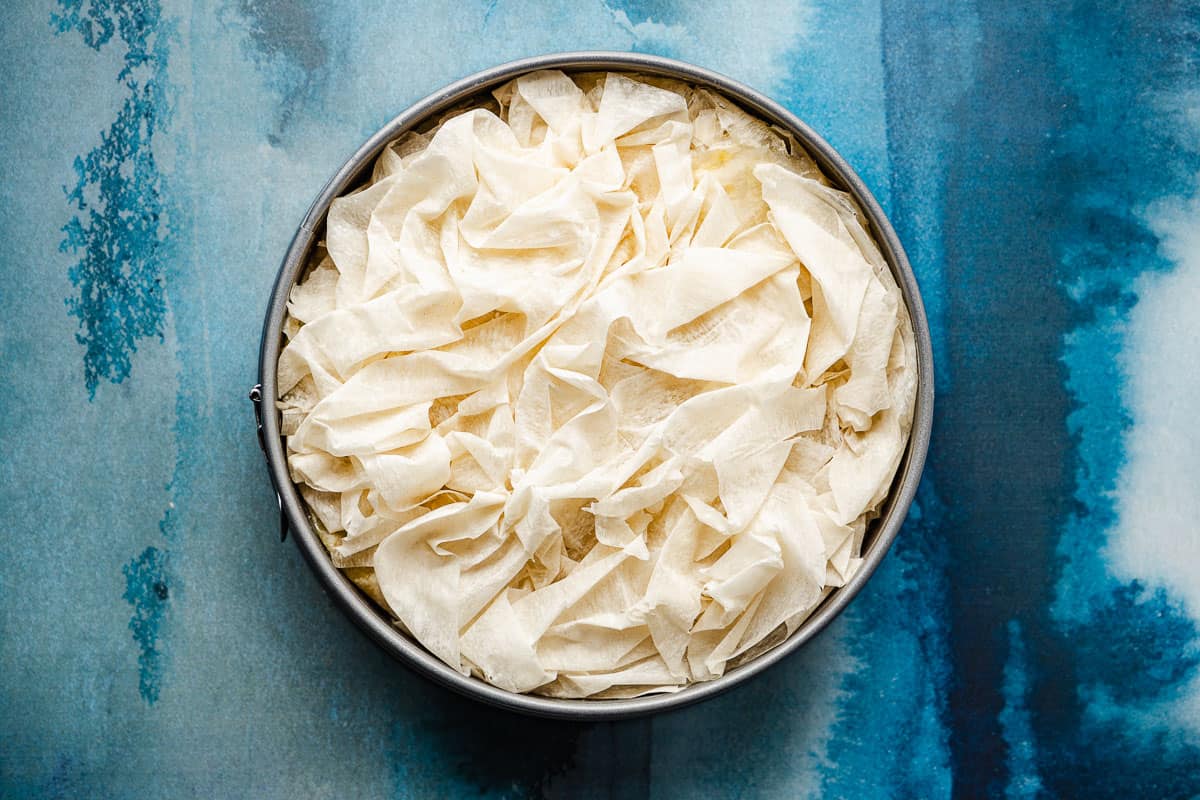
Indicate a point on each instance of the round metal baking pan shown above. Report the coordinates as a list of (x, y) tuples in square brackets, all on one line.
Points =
[(373, 620)]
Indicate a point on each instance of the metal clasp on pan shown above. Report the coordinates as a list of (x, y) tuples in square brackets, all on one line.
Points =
[(256, 398)]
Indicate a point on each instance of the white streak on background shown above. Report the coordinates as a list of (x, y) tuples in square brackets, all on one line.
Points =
[(1158, 491), (1157, 536)]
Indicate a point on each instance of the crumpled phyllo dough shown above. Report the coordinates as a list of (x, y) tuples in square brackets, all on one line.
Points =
[(596, 393)]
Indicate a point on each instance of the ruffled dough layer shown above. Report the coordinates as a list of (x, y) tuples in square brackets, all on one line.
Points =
[(596, 389)]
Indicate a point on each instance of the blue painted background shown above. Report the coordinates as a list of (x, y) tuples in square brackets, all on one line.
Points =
[(1034, 631)]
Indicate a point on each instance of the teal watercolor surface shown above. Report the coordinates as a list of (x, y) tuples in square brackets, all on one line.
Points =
[(1035, 631)]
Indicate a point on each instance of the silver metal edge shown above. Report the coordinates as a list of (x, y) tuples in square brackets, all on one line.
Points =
[(364, 613)]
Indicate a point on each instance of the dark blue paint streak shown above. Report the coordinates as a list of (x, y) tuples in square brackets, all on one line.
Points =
[(147, 589), (121, 236), (1052, 152), (120, 229), (1001, 432), (1023, 779)]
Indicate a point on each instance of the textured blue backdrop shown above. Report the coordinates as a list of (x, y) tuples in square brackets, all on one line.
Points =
[(1034, 631)]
